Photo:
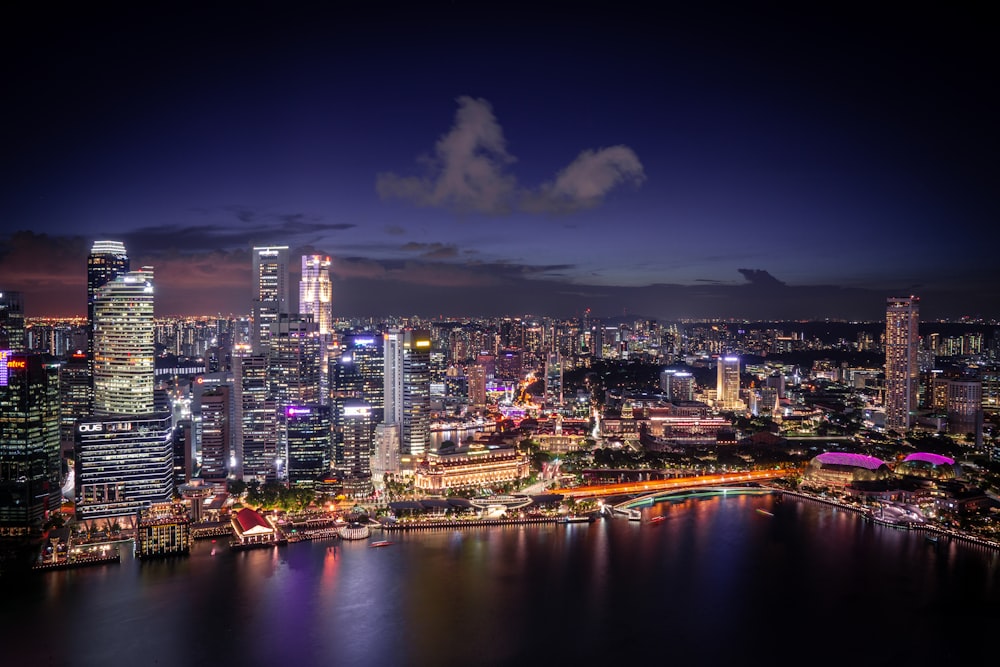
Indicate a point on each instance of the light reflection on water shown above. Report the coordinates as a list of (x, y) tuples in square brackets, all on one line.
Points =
[(715, 578)]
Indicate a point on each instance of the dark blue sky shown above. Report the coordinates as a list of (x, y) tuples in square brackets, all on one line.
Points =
[(474, 158)]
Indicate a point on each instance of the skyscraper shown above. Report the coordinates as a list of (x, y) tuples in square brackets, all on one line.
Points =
[(728, 385), (407, 389), (11, 321), (124, 345), (902, 373), (123, 453), (29, 441), (107, 261), (315, 300), (355, 429), (316, 292), (215, 433), (270, 274), (309, 436), (257, 436)]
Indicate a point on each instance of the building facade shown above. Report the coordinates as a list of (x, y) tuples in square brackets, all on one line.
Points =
[(29, 442), (270, 297), (902, 372), (124, 345)]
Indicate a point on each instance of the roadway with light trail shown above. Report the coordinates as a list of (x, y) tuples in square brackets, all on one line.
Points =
[(677, 483)]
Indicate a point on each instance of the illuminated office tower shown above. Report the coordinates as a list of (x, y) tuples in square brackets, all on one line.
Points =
[(415, 428), (308, 433), (215, 433), (257, 424), (270, 298), (294, 361), (12, 321), (728, 385), (316, 292), (902, 373), (122, 465), (354, 426), (407, 389), (124, 459), (29, 442), (107, 261), (682, 386), (315, 300), (965, 409), (124, 345), (74, 393)]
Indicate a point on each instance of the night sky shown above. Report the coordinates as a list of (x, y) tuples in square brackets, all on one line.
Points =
[(494, 158)]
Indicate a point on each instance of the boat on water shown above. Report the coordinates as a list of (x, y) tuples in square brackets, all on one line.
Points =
[(765, 512), (575, 519), (380, 543), (658, 519)]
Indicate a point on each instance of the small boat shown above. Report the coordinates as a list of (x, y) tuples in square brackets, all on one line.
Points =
[(931, 538), (764, 512), (380, 543), (658, 519), (574, 519)]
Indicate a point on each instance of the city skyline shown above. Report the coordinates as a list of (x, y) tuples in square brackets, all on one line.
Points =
[(770, 164)]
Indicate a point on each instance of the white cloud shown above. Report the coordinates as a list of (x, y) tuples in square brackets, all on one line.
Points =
[(587, 179), (467, 172)]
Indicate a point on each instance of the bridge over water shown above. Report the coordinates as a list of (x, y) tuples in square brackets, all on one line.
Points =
[(653, 487)]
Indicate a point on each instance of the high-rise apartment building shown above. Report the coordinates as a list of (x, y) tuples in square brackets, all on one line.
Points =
[(270, 298), (124, 345), (29, 442), (902, 372)]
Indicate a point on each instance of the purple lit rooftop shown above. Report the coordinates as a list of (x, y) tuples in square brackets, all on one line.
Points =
[(847, 459), (933, 459)]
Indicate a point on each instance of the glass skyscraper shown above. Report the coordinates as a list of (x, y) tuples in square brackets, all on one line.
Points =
[(124, 345), (270, 299)]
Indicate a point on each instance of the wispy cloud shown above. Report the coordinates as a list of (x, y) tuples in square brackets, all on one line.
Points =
[(469, 172)]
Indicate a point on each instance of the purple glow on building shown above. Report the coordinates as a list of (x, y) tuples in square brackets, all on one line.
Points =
[(847, 459), (295, 411), (933, 459)]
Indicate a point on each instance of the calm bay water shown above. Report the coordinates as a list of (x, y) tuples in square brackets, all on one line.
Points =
[(713, 583)]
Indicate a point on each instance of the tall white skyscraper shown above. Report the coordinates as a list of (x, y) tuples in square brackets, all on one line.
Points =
[(124, 345), (270, 275), (316, 292), (123, 454), (902, 373)]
